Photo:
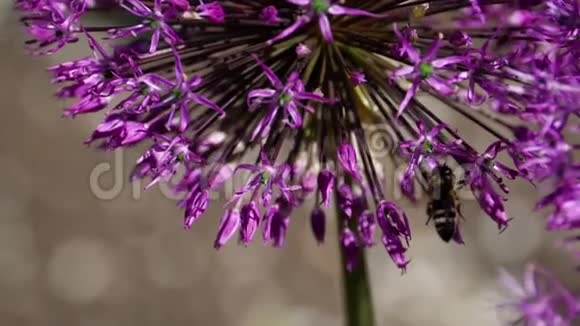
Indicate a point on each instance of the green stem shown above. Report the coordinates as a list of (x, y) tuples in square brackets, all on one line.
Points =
[(358, 302)]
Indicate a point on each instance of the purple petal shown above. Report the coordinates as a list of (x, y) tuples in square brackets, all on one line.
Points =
[(407, 182), (350, 249), (408, 96), (348, 160), (312, 97), (136, 8), (345, 199), (326, 186), (267, 223), (441, 86), (325, 28), (492, 204), (366, 228), (437, 130), (318, 224), (407, 70), (228, 226), (222, 175), (440, 63), (279, 228), (259, 93), (301, 21), (337, 10), (396, 250), (407, 48), (390, 219), (207, 103), (432, 50), (276, 82), (301, 3), (294, 119), (193, 82), (196, 205), (250, 217)]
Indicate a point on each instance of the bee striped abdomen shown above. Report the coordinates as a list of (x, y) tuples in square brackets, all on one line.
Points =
[(444, 216), (442, 207)]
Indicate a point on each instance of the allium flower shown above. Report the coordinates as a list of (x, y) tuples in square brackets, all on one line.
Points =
[(540, 299), (283, 90), (319, 10), (152, 19)]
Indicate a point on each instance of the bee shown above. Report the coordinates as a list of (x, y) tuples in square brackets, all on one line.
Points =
[(443, 207)]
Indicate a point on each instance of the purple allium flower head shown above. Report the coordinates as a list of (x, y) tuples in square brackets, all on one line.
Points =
[(291, 108)]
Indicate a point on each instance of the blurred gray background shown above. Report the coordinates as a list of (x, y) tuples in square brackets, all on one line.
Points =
[(68, 257)]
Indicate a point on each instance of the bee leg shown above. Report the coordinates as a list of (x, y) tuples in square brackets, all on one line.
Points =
[(429, 211), (459, 212), (461, 184)]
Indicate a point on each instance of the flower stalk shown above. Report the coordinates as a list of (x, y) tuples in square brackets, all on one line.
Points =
[(357, 298)]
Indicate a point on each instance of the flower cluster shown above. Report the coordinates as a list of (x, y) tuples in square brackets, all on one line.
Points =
[(540, 299), (282, 90)]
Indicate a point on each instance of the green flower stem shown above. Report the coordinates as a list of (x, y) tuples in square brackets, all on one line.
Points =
[(358, 304)]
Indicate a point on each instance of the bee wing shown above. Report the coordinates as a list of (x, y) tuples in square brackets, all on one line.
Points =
[(429, 212), (459, 212), (460, 184)]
